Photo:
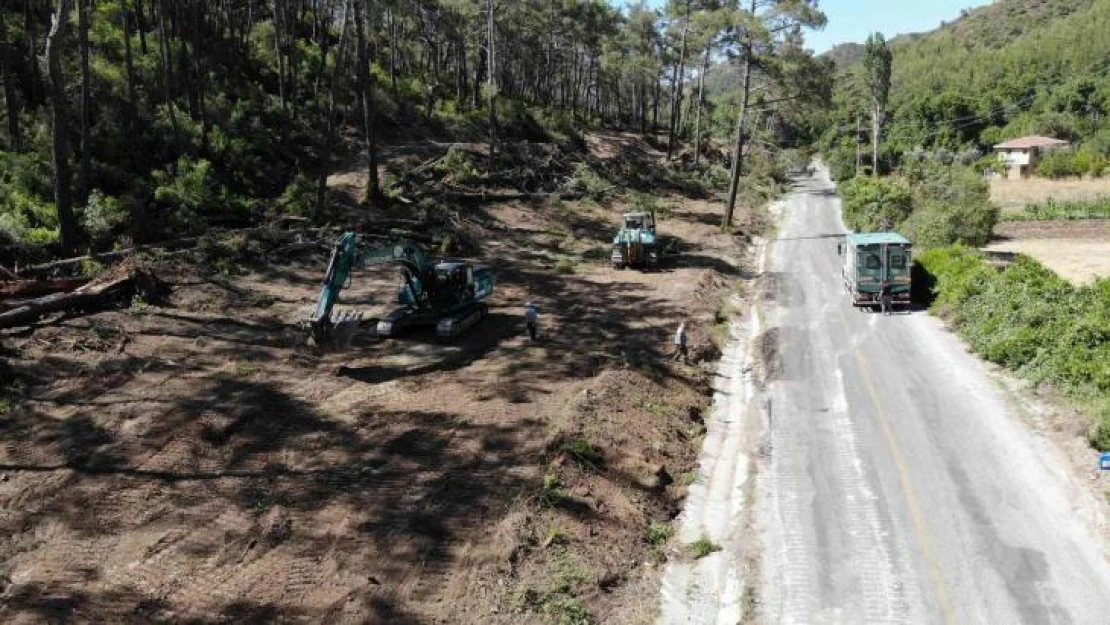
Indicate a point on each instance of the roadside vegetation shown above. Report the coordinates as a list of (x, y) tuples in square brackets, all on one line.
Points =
[(1098, 208), (931, 203), (1029, 320)]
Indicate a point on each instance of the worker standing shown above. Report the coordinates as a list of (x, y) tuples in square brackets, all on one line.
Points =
[(530, 317), (680, 344)]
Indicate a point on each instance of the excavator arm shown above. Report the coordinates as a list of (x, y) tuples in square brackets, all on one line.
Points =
[(349, 253)]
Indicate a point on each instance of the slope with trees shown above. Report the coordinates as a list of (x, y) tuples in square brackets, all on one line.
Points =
[(1008, 69), (172, 117)]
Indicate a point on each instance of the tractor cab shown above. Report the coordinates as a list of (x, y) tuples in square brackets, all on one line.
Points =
[(635, 244), (639, 221)]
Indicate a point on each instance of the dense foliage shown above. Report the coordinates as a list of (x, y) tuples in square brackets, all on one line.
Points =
[(174, 116), (1028, 319), (1009, 69), (933, 205)]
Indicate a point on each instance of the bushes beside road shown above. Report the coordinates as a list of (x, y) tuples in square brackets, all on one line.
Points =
[(933, 205), (1029, 320)]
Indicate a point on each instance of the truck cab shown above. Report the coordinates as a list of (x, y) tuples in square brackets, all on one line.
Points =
[(874, 262)]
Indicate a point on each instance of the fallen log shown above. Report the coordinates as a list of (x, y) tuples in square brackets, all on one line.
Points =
[(187, 243), (37, 288), (508, 197), (84, 298)]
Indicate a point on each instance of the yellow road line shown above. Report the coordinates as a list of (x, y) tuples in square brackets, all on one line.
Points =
[(920, 528)]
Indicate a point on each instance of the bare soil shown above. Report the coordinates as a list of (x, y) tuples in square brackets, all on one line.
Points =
[(1078, 250), (195, 461)]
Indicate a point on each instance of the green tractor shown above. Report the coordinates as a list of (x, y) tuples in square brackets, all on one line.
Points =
[(636, 244)]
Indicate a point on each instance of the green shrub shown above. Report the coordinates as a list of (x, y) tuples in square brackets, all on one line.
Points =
[(1060, 164), (299, 197), (657, 535), (458, 166), (103, 216), (1030, 320), (938, 225), (869, 201), (582, 452), (593, 183), (703, 547)]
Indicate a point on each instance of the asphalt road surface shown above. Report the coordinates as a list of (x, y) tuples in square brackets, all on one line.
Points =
[(900, 484)]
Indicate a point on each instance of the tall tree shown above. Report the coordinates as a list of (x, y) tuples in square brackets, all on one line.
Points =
[(760, 25), (329, 115), (366, 97), (877, 64), (86, 100), (676, 81), (7, 61), (63, 200)]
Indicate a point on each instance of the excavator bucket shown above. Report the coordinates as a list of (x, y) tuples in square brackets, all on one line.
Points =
[(339, 331)]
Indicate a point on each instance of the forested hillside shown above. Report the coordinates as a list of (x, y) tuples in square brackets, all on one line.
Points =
[(1012, 68), (167, 117)]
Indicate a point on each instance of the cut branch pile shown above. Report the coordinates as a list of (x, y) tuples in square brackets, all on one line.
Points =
[(88, 297)]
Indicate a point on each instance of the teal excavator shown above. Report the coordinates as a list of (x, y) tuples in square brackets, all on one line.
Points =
[(447, 294)]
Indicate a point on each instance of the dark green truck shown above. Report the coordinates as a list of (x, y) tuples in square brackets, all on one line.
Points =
[(874, 263)]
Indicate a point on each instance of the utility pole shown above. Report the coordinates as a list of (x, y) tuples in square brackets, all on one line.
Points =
[(857, 145)]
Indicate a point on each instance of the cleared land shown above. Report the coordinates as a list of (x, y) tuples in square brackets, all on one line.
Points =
[(1013, 195), (1078, 250), (196, 462)]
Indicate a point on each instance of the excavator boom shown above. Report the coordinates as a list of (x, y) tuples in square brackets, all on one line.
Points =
[(447, 295)]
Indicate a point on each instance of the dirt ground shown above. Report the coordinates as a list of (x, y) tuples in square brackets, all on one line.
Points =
[(195, 461), (1013, 195), (1078, 250)]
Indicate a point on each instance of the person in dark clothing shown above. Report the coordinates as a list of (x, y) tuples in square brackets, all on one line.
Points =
[(531, 315)]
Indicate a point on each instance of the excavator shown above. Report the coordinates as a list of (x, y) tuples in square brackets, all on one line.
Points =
[(447, 294)]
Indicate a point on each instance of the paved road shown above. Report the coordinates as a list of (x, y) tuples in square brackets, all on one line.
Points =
[(900, 486)]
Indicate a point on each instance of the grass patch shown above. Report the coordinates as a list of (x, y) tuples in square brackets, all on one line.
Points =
[(657, 409), (583, 453), (703, 547), (244, 369), (688, 478), (657, 535), (1097, 208), (566, 266), (558, 600)]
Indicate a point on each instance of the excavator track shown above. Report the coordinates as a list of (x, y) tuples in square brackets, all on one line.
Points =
[(461, 321)]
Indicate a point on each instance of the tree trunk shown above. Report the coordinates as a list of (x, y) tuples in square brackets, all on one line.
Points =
[(329, 133), (700, 104), (140, 23), (67, 223), (167, 66), (129, 66), (676, 86), (876, 132), (280, 30), (366, 92), (656, 96), (10, 102), (86, 102), (492, 84), (738, 156), (30, 27)]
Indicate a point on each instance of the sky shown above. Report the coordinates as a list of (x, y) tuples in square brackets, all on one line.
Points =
[(853, 20)]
